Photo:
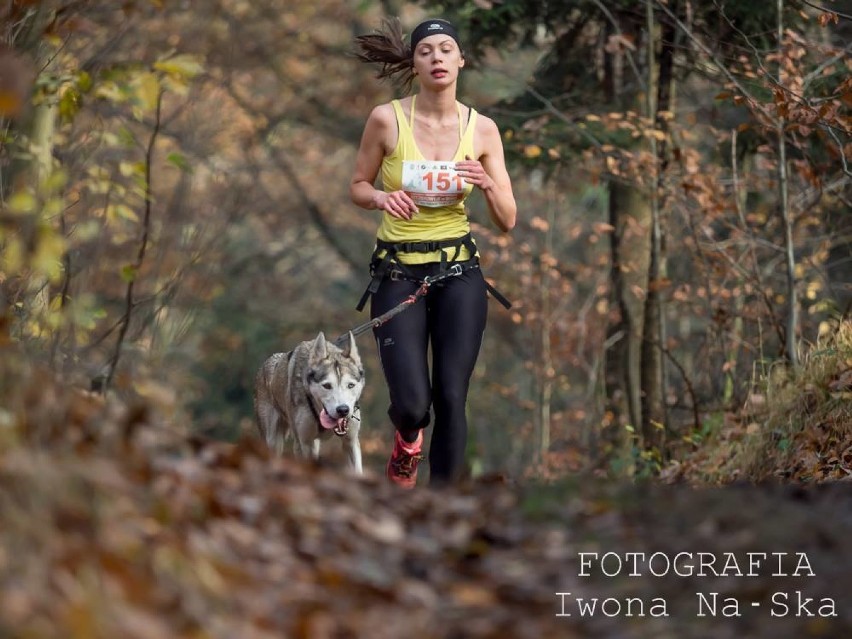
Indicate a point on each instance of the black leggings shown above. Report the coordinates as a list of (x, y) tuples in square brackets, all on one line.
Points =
[(452, 316)]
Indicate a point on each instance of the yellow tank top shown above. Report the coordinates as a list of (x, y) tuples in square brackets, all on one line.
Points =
[(434, 186)]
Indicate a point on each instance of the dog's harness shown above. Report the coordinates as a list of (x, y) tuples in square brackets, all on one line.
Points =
[(388, 266)]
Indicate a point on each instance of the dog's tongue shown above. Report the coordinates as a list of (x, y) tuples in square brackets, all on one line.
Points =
[(327, 421)]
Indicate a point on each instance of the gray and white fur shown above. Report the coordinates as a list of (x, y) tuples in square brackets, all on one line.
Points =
[(311, 393)]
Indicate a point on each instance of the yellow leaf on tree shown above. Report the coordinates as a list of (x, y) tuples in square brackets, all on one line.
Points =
[(22, 203), (56, 181), (12, 256), (147, 89), (532, 150), (121, 211), (184, 66), (47, 258), (131, 168)]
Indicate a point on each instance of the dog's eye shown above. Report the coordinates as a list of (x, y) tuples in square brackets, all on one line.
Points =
[(351, 384), (327, 385)]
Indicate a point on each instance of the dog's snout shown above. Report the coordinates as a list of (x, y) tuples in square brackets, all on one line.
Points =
[(342, 410)]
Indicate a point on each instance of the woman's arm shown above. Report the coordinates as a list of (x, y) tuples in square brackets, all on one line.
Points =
[(375, 143), (490, 175)]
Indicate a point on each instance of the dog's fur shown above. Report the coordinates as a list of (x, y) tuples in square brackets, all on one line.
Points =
[(306, 393)]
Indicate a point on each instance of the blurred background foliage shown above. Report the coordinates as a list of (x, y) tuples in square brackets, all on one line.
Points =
[(174, 191)]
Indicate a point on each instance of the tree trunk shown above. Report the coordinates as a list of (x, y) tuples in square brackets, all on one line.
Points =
[(546, 374), (630, 215), (653, 416), (792, 301), (659, 100), (34, 131)]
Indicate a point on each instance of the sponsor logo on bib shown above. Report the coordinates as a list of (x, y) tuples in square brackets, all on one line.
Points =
[(432, 183)]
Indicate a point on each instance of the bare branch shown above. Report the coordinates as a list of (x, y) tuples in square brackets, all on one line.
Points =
[(140, 255), (706, 51), (551, 108), (611, 18), (845, 16), (827, 63), (840, 148)]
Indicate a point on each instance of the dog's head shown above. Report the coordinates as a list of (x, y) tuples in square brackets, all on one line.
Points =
[(335, 379)]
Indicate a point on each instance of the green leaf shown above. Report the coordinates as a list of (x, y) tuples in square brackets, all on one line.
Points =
[(126, 137), (84, 82), (128, 273), (69, 104), (179, 160)]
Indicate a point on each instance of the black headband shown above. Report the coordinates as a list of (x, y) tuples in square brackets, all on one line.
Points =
[(431, 27)]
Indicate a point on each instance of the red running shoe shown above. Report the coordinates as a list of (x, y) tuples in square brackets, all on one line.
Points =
[(402, 465)]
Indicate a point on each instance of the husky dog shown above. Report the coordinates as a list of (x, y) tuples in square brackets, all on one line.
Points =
[(310, 393)]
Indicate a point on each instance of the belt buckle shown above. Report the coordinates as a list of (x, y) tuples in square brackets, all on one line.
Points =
[(395, 275), (455, 269)]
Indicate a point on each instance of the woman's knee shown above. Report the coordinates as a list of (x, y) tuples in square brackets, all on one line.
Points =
[(451, 397), (410, 411)]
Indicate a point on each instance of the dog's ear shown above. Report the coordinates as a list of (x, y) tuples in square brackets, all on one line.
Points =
[(351, 348), (320, 350)]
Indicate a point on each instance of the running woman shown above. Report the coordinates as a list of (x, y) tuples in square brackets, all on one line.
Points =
[(432, 152)]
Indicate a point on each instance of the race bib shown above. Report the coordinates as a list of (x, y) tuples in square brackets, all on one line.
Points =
[(432, 184)]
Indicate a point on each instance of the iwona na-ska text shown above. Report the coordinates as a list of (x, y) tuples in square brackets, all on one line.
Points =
[(793, 602)]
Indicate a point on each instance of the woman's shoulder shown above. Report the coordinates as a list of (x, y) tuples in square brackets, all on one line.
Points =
[(383, 113), (485, 126)]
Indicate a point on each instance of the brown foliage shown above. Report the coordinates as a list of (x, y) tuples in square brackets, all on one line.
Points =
[(116, 525)]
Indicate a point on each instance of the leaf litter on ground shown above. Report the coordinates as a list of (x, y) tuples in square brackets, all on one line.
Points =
[(113, 525)]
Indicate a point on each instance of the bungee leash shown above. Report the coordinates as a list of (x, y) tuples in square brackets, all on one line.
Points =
[(409, 301)]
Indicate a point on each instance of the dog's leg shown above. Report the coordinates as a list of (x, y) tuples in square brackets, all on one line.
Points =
[(306, 450), (303, 437), (278, 444), (351, 443), (315, 449), (269, 422), (297, 446), (353, 454)]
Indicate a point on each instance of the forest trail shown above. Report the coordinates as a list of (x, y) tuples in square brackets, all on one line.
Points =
[(139, 536)]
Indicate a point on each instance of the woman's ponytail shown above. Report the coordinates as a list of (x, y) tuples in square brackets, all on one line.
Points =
[(388, 48)]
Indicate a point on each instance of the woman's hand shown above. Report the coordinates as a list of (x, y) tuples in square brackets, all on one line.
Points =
[(474, 173), (396, 203), (489, 173)]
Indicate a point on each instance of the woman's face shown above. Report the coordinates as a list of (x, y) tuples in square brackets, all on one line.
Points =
[(437, 60)]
